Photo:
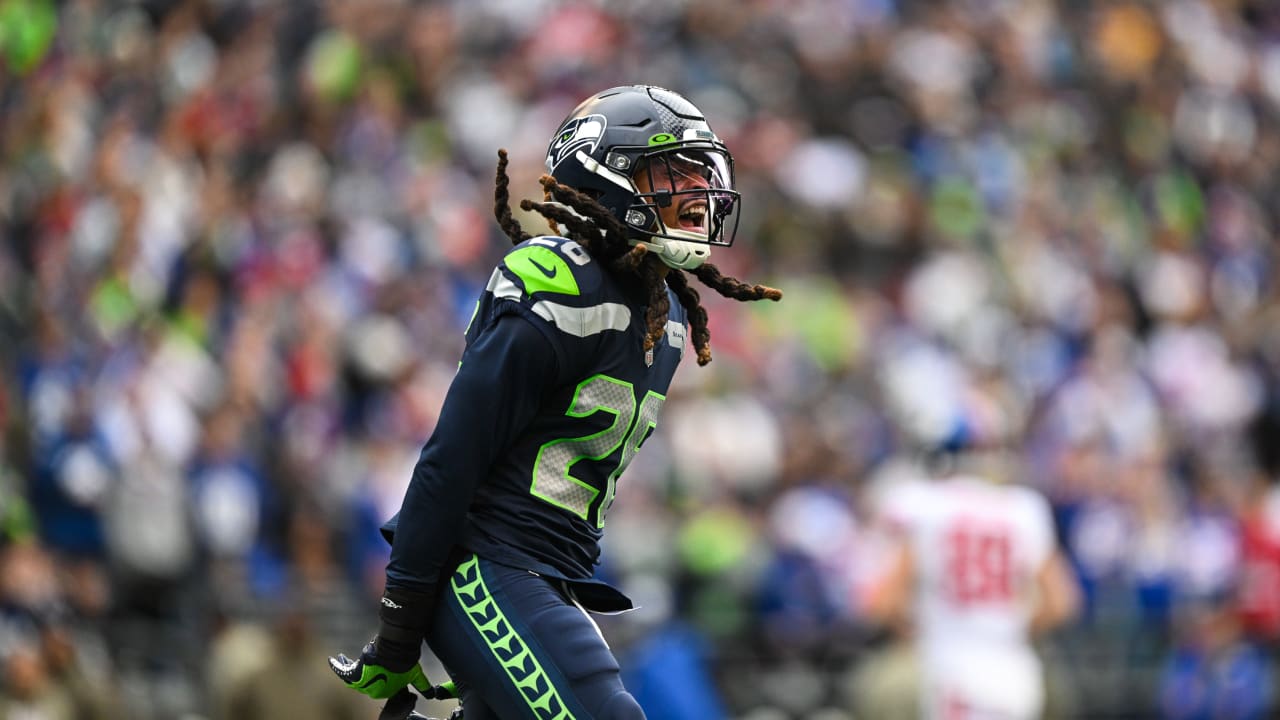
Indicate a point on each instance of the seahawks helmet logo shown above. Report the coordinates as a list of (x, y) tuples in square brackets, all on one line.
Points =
[(578, 133)]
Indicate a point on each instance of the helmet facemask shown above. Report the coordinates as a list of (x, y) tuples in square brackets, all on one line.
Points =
[(684, 202)]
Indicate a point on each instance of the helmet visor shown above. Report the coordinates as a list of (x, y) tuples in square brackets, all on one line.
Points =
[(691, 190)]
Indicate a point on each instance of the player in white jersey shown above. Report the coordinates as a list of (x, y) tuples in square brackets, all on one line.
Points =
[(978, 575)]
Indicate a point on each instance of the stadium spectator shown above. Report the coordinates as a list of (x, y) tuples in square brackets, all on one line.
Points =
[(274, 216)]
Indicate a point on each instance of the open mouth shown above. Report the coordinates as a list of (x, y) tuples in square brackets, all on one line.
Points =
[(693, 215)]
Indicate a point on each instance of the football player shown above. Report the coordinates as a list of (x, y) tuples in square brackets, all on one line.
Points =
[(978, 576), (568, 358)]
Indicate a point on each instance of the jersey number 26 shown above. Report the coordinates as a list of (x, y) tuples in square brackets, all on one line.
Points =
[(553, 480)]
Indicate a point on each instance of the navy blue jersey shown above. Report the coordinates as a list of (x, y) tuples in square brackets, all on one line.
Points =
[(554, 396)]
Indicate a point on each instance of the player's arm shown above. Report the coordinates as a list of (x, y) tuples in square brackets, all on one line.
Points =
[(890, 599), (497, 391), (1057, 594), (494, 395)]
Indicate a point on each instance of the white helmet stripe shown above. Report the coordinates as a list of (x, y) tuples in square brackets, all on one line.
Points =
[(606, 172)]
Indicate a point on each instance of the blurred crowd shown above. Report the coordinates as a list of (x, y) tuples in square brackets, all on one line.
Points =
[(243, 237)]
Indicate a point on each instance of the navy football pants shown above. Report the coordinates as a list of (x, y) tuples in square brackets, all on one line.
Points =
[(518, 647)]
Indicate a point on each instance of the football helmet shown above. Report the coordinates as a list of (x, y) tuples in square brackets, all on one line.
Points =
[(649, 156)]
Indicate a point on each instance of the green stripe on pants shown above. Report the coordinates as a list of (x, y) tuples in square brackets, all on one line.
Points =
[(511, 652)]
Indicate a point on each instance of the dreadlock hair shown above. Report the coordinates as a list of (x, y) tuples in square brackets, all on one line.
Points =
[(502, 204), (592, 226)]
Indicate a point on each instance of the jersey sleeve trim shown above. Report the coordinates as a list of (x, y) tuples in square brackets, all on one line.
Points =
[(577, 321)]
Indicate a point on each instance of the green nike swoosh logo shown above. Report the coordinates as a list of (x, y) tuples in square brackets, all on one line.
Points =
[(548, 271), (540, 269)]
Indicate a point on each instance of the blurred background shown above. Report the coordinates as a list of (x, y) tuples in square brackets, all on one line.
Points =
[(242, 239)]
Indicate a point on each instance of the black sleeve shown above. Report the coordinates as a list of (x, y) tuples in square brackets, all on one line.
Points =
[(504, 375)]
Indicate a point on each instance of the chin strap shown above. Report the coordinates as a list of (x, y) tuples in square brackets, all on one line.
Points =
[(679, 254)]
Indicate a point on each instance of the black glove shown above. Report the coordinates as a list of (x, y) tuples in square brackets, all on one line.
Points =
[(380, 677), (389, 663)]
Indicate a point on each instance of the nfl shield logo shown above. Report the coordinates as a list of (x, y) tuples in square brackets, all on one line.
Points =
[(648, 357)]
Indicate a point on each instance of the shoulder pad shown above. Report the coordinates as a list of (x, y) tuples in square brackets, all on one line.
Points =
[(553, 265)]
